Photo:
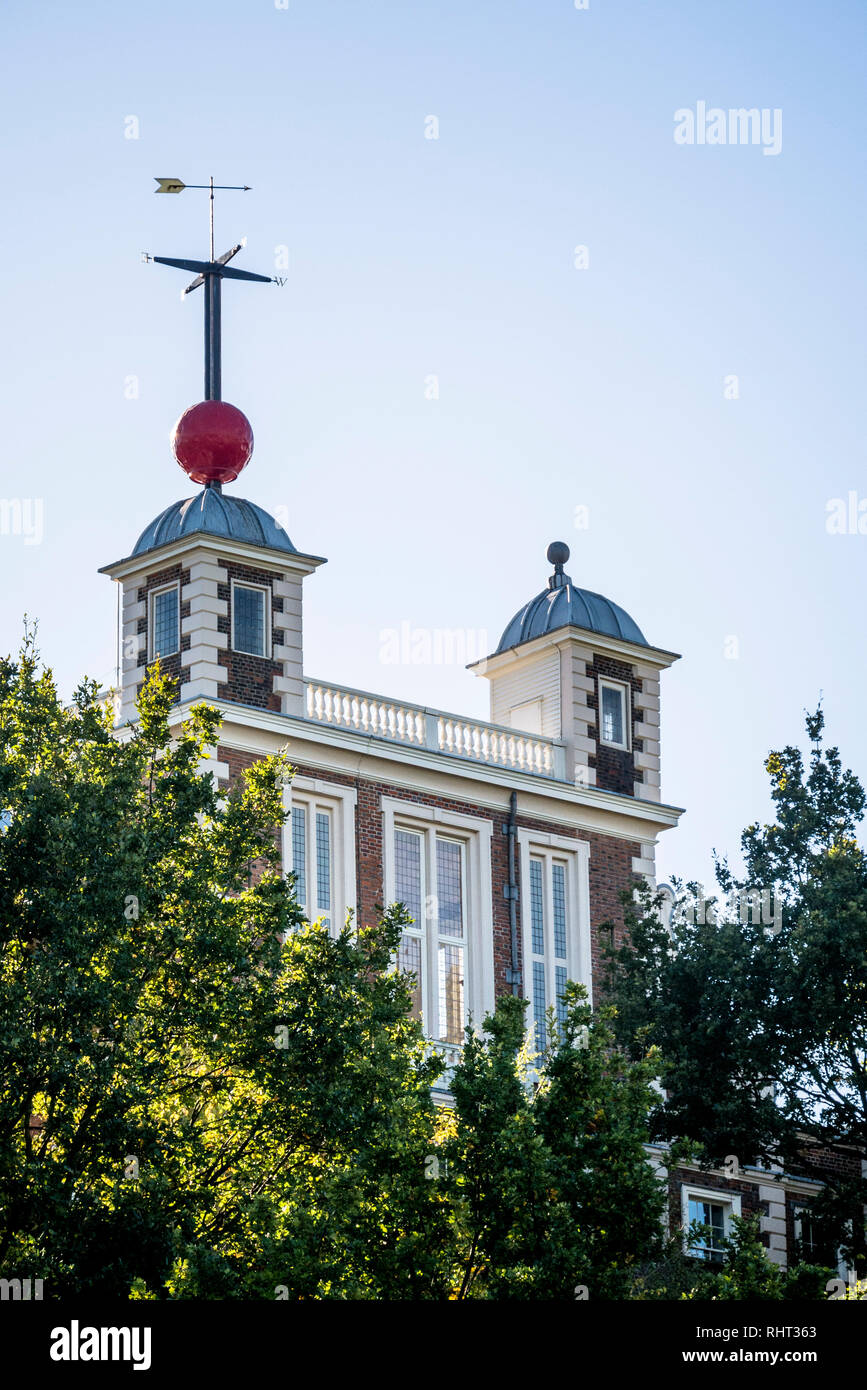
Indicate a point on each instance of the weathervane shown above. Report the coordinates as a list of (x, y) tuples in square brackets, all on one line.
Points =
[(212, 441), (210, 273)]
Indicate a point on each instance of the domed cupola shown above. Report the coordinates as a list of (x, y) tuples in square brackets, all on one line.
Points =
[(213, 585), (214, 513), (564, 605), (575, 668)]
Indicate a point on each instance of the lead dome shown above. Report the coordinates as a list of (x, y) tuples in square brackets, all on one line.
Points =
[(215, 514), (562, 604)]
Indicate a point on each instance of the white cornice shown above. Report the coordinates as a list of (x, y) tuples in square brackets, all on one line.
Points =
[(162, 555), (564, 636), (420, 769)]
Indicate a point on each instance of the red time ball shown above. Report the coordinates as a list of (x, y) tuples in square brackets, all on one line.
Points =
[(212, 442)]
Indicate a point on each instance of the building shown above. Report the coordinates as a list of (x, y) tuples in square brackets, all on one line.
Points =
[(509, 840)]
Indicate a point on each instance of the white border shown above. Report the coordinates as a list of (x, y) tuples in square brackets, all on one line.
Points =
[(341, 801), (476, 832), (579, 963), (729, 1201), (152, 593), (603, 681)]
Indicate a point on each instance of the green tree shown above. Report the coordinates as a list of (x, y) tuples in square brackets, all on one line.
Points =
[(761, 1017), (204, 1096), (553, 1194), (744, 1272), (200, 1094)]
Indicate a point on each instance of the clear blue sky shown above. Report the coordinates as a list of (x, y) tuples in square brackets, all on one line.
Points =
[(411, 257)]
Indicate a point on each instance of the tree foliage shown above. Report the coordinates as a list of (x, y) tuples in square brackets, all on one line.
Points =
[(554, 1196), (761, 1018), (205, 1096), (201, 1095)]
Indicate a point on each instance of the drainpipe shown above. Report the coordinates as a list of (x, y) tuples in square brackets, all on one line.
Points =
[(513, 975)]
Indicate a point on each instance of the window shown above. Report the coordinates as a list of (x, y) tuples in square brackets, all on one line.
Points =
[(714, 1212), (613, 714), (319, 848), (813, 1248), (433, 947), (711, 1216), (438, 864), (311, 861), (555, 898), (548, 940), (251, 619), (164, 621)]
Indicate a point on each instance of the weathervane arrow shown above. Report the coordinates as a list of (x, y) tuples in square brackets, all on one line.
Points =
[(175, 186), (210, 273)]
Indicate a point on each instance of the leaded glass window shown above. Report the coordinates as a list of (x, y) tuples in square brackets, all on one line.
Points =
[(312, 860), (299, 853), (612, 712), (408, 890), (433, 946), (548, 942), (164, 622), (248, 618)]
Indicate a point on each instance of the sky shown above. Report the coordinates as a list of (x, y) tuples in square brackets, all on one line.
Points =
[(445, 384)]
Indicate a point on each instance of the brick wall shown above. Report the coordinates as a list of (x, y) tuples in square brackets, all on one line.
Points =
[(819, 1163), (250, 679), (615, 767), (169, 665), (610, 859)]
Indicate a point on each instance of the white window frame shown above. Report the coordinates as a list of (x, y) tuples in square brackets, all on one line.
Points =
[(624, 691), (729, 1201), (475, 834), (162, 589), (314, 794), (267, 614), (575, 854)]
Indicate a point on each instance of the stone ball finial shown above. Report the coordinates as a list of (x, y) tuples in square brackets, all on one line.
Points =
[(558, 553)]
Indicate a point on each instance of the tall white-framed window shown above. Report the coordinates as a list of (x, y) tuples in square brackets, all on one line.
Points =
[(251, 618), (319, 848), (164, 625), (555, 902), (438, 864), (614, 713), (713, 1210)]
